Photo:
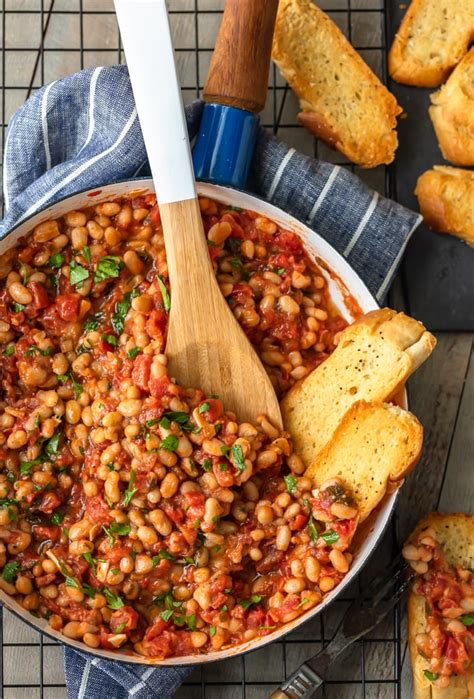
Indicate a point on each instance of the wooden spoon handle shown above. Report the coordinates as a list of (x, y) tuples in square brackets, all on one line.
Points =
[(238, 74)]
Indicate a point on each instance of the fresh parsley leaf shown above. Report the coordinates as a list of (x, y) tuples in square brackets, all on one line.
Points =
[(110, 339), (110, 537), (330, 537), (130, 491), (235, 263), (207, 464), (166, 614), (212, 631), (162, 554), (78, 273), (191, 622), (26, 466), (10, 571), (132, 353), (304, 601), (120, 627), (280, 270), (93, 322), (313, 532), (467, 619), (225, 449), (203, 407), (89, 590), (431, 676), (290, 482), (18, 307), (169, 443), (121, 309), (179, 417), (246, 603), (120, 528), (164, 294), (90, 560), (8, 351), (108, 267), (56, 260), (52, 445), (238, 456), (86, 253), (113, 601), (57, 517)]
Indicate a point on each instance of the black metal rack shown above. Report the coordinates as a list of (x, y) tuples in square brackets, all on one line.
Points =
[(43, 40)]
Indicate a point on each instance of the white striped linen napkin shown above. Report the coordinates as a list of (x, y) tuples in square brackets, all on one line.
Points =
[(83, 132)]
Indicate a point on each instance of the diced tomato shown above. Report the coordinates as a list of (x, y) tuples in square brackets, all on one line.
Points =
[(49, 502), (43, 580), (124, 620), (97, 509), (68, 306), (242, 293), (39, 293), (156, 324), (175, 513), (289, 241), (161, 647), (215, 410), (195, 504), (298, 522), (141, 371), (159, 387), (44, 533), (154, 216), (157, 629), (257, 616)]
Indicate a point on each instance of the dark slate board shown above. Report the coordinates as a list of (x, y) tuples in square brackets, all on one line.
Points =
[(438, 269)]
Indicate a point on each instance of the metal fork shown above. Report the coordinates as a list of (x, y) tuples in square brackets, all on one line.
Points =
[(361, 617)]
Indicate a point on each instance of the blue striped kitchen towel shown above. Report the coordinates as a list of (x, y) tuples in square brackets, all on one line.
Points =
[(82, 132)]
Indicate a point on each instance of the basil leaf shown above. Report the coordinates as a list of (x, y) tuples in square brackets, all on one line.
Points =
[(78, 274), (164, 294), (290, 482), (10, 571), (330, 537), (108, 267)]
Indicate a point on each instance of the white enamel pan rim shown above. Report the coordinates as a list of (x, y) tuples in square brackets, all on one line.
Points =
[(342, 281)]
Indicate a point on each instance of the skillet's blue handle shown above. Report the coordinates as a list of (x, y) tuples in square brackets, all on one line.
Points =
[(225, 144)]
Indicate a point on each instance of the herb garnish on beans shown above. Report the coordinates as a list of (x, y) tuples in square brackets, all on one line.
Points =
[(136, 513)]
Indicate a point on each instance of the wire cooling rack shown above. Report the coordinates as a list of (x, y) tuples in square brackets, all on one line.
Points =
[(43, 40)]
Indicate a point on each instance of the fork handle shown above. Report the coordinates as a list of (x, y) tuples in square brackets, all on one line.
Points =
[(300, 685)]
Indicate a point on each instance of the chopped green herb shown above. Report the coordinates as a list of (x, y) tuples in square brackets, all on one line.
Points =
[(78, 273), (191, 622), (223, 467), (290, 482), (190, 561), (121, 309), (57, 517), (86, 253), (93, 322), (164, 294), (120, 627), (467, 619), (216, 549), (56, 260), (89, 590), (179, 417), (90, 560), (18, 307), (238, 456), (12, 515), (235, 263), (48, 613), (330, 537), (52, 445), (203, 407), (313, 532), (110, 537), (162, 554), (4, 502), (207, 464), (212, 631), (108, 267), (224, 608), (132, 353), (130, 491), (166, 614), (120, 529), (246, 603), (113, 601), (280, 270), (70, 582), (431, 676), (169, 443), (304, 601), (110, 339), (8, 351), (26, 466), (225, 449), (10, 571)]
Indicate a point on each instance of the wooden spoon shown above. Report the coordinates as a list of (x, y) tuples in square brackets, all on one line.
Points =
[(206, 347)]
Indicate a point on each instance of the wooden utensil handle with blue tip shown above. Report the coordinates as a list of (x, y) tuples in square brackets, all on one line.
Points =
[(238, 74)]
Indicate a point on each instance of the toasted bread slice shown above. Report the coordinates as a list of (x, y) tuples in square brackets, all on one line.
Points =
[(374, 358), (433, 37), (342, 101), (374, 446), (446, 199), (452, 113), (455, 533)]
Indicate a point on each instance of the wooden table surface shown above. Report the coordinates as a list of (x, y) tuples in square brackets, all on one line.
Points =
[(441, 393)]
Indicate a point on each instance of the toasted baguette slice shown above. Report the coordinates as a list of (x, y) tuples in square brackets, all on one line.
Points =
[(452, 113), (433, 37), (343, 102), (446, 199), (374, 446), (372, 361), (455, 533)]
